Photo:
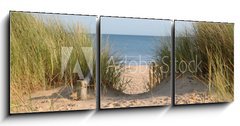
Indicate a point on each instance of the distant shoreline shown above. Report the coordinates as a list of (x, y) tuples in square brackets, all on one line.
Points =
[(132, 35)]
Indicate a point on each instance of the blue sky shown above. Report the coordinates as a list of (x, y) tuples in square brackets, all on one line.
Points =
[(131, 26), (181, 26), (88, 22), (125, 26)]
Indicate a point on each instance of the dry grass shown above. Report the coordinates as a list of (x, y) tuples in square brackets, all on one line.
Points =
[(111, 70), (212, 43), (162, 59), (35, 54)]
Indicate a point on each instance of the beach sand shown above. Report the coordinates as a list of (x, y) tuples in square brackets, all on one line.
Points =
[(190, 90), (58, 99), (137, 93), (139, 77)]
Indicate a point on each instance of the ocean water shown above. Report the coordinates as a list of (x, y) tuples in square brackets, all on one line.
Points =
[(133, 49)]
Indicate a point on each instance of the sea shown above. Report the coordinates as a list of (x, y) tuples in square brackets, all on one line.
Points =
[(133, 49)]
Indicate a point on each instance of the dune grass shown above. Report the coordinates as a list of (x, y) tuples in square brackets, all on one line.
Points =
[(162, 58), (212, 44), (111, 70), (35, 54)]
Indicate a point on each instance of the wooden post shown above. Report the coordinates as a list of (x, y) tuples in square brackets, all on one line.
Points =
[(159, 75), (154, 76), (83, 91), (78, 89), (150, 74), (65, 79)]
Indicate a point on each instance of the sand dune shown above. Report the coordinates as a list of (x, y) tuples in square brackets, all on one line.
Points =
[(190, 90)]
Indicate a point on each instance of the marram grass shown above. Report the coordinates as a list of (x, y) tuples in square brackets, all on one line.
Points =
[(111, 70), (35, 54), (212, 43)]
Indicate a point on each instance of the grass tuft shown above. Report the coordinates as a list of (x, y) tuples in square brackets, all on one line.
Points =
[(35, 53), (212, 43)]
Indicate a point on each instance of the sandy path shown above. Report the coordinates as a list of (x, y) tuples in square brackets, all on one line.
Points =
[(136, 93), (139, 77)]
